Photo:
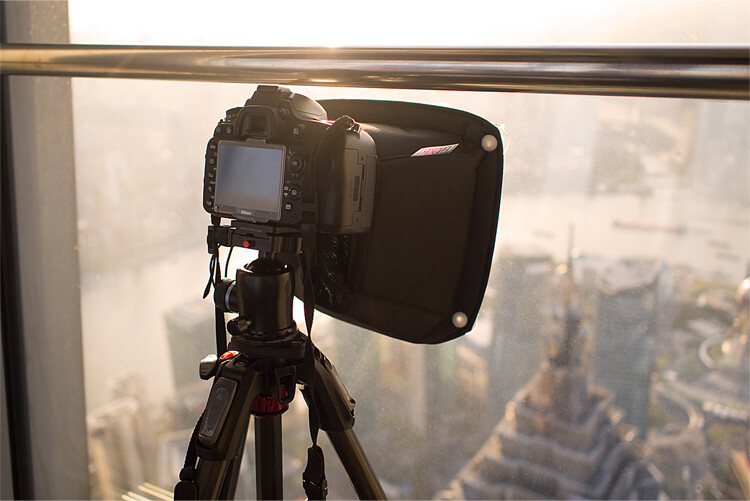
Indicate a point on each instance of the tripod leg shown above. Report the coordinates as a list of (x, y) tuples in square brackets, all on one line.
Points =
[(356, 464), (336, 409), (224, 428), (229, 488), (268, 457), (211, 477)]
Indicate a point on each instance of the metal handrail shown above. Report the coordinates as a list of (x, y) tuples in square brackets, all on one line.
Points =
[(714, 72)]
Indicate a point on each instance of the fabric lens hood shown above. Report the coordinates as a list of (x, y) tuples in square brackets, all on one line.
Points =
[(420, 273)]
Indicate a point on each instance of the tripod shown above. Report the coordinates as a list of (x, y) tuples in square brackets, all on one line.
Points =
[(268, 357)]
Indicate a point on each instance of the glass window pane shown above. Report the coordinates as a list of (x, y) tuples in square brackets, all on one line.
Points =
[(622, 181), (643, 344)]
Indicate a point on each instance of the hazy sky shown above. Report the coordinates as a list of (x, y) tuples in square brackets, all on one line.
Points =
[(416, 23)]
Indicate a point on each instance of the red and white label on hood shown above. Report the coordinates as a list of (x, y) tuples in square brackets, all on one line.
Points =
[(435, 150)]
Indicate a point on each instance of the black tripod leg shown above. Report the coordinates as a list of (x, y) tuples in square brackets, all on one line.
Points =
[(268, 457), (211, 478), (336, 410), (224, 428), (233, 471), (360, 472)]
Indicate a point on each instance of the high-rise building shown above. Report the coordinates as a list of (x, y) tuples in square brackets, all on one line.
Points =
[(559, 439), (626, 325), (117, 444), (191, 336), (520, 301)]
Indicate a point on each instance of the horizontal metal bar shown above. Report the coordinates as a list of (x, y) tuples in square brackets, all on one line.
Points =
[(656, 71)]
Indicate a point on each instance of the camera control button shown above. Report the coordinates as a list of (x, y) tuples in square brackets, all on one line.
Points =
[(298, 131), (296, 163), (294, 192), (287, 206)]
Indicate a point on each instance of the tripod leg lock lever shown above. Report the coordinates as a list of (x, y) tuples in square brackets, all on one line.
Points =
[(286, 378)]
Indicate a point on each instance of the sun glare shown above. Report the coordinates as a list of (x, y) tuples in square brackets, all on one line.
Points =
[(339, 23)]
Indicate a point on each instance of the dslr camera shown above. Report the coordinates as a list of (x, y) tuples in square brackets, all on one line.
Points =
[(279, 162)]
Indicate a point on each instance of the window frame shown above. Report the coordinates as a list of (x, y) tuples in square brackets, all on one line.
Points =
[(42, 344)]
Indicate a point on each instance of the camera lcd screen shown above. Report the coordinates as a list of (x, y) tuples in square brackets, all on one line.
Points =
[(249, 180)]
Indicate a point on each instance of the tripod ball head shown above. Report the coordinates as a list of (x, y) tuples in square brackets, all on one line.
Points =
[(264, 295)]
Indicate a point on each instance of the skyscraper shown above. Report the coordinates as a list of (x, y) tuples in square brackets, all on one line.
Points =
[(521, 285), (560, 438), (627, 293)]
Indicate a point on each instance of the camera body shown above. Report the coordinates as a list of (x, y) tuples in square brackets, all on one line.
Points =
[(278, 161)]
